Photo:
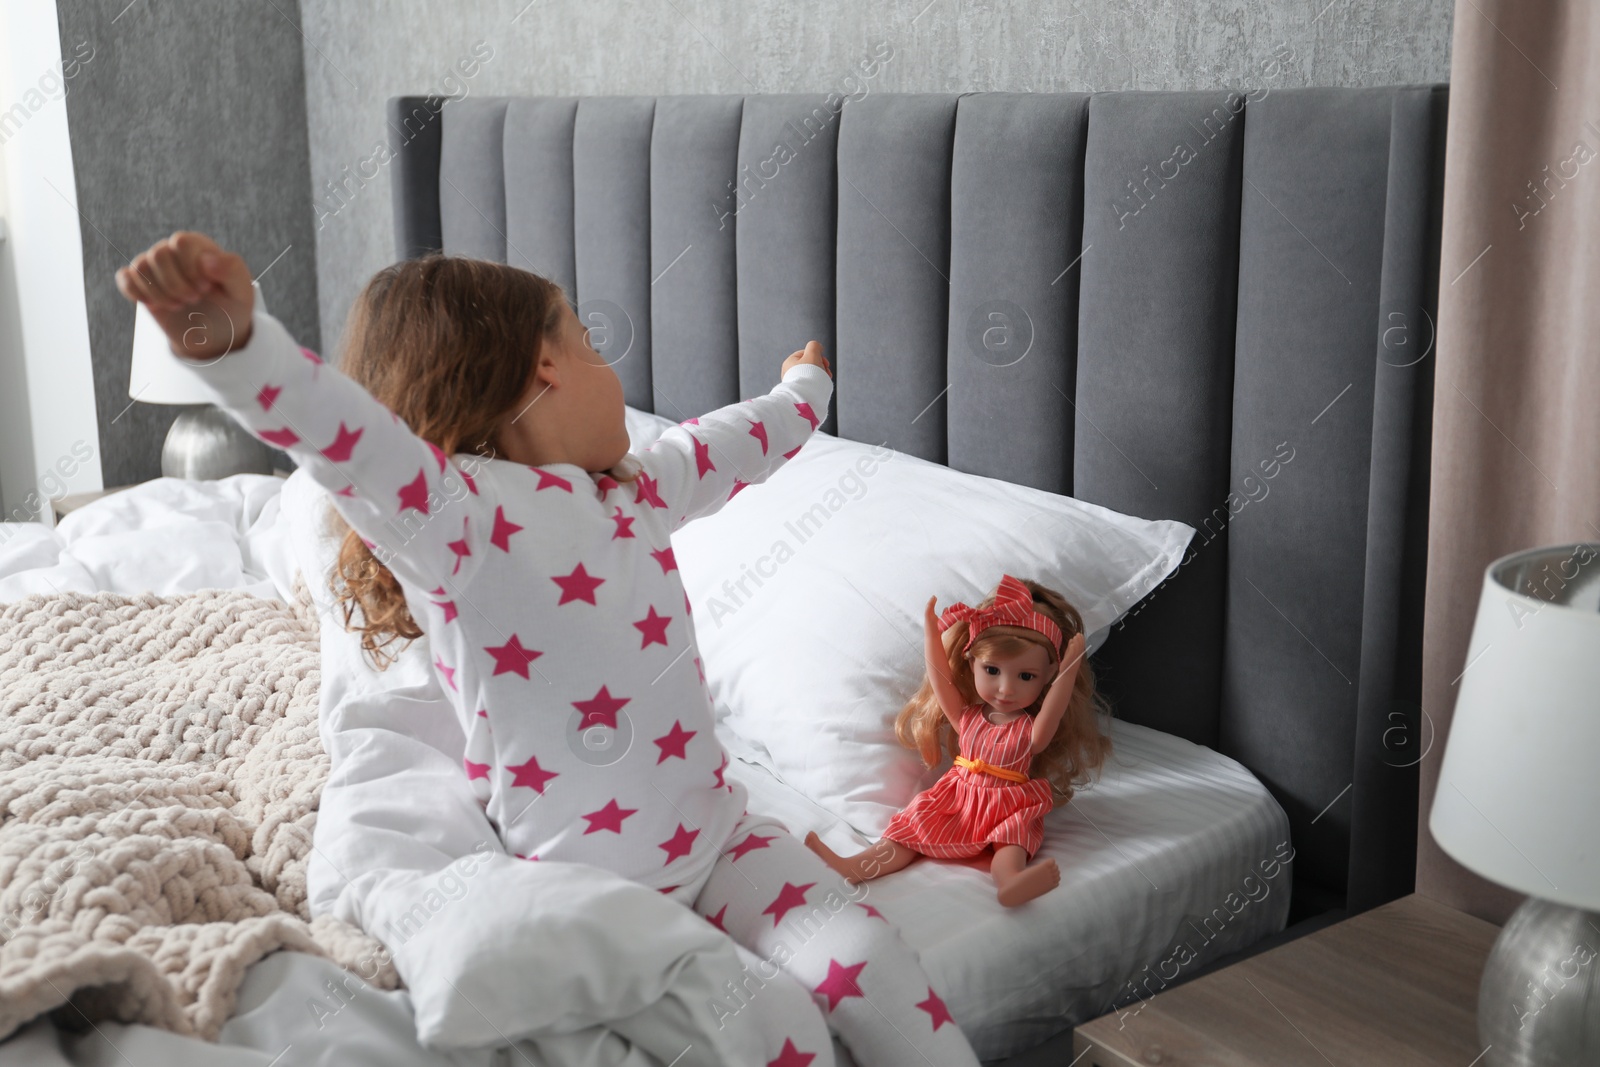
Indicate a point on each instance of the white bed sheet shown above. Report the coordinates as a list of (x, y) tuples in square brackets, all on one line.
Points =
[(1153, 856)]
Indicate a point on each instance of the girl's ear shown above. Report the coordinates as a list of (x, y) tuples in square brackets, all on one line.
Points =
[(547, 372)]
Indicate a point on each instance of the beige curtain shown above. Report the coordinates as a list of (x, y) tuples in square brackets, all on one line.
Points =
[(1516, 433)]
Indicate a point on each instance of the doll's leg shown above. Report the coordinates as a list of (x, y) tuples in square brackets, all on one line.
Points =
[(875, 861), (1016, 882), (780, 900)]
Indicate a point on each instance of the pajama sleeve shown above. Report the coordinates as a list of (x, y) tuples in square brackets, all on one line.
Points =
[(697, 466), (420, 512)]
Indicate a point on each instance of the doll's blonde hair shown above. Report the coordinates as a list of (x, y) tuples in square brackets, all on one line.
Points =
[(1078, 749)]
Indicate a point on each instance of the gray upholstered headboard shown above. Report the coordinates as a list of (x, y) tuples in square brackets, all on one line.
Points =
[(1186, 305)]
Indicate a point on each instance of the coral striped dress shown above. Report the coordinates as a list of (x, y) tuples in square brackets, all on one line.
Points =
[(967, 810)]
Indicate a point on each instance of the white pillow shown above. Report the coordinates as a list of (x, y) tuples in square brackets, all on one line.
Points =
[(644, 428), (808, 595)]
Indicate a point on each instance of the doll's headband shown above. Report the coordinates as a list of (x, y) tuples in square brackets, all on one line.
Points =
[(1013, 606)]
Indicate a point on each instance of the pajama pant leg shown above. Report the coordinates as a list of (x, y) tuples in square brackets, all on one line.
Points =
[(776, 897)]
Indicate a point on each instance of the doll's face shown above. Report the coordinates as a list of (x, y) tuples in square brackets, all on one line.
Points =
[(1011, 683)]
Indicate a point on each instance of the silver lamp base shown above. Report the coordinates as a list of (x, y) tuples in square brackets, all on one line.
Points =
[(205, 443), (1539, 1001)]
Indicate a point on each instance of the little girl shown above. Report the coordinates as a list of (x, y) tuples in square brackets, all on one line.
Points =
[(986, 677), (495, 507)]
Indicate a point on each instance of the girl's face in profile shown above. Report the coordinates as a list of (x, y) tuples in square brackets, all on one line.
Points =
[(1008, 684)]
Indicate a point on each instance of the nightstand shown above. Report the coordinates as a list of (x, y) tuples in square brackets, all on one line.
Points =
[(1396, 985)]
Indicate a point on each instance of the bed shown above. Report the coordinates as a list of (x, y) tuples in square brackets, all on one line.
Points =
[(1171, 319)]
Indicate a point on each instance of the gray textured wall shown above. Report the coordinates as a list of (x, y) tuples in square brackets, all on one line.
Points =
[(191, 116), (360, 52)]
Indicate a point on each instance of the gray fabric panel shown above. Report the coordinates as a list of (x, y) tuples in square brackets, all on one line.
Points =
[(538, 181), (893, 272), (472, 187), (1016, 219), (694, 298), (415, 139), (1155, 378), (1310, 260), (611, 231), (1390, 738), (783, 210)]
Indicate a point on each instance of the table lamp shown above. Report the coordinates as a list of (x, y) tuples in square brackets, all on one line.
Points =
[(204, 441), (1518, 799)]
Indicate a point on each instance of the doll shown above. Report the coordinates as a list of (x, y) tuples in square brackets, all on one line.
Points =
[(1007, 690)]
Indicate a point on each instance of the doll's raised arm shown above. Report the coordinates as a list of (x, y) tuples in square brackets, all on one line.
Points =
[(1055, 701), (944, 687)]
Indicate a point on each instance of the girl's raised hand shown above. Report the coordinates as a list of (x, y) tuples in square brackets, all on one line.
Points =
[(812, 354), (199, 294), (1072, 655)]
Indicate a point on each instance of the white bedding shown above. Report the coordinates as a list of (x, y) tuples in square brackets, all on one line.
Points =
[(1173, 834)]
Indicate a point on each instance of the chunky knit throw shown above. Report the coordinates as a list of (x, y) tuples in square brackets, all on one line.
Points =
[(160, 770)]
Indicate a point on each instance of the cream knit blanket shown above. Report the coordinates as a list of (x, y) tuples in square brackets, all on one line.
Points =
[(160, 769)]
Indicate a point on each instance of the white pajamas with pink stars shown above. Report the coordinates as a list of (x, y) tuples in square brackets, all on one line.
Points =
[(561, 632)]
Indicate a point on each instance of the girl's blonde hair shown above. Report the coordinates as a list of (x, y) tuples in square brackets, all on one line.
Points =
[(449, 345), (1078, 749)]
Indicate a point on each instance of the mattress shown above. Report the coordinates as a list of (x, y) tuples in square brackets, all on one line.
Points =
[(1174, 857)]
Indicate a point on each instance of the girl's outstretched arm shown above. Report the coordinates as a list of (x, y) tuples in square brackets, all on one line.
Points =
[(697, 466), (934, 652), (421, 514), (1055, 703)]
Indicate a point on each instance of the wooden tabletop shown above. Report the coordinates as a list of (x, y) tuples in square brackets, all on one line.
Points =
[(1396, 985)]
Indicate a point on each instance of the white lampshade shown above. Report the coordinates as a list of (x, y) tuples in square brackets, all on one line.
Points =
[(1518, 799), (156, 376)]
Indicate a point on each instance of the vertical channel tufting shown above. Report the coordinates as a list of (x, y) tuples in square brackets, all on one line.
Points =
[(1155, 374), (611, 233), (694, 297), (1390, 738), (1016, 217), (782, 207), (894, 270), (472, 190), (538, 181), (415, 140), (1316, 167)]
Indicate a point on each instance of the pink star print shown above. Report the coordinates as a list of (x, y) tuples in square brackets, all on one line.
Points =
[(668, 561), (697, 664), (718, 774), (793, 451), (791, 896), (654, 628), (449, 609), (874, 912), (679, 844), (438, 455), (737, 485), (472, 487), (605, 483), (673, 742), (753, 842), (841, 982), (343, 444), (716, 920), (936, 1009), (702, 457), (415, 494), (512, 658), (268, 396), (806, 413), (550, 481), (579, 585), (600, 709), (608, 818), (284, 438), (532, 776), (690, 422), (503, 529), (310, 355), (624, 525), (791, 1056), (349, 491), (476, 770), (758, 430), (460, 548), (647, 491), (448, 672)]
